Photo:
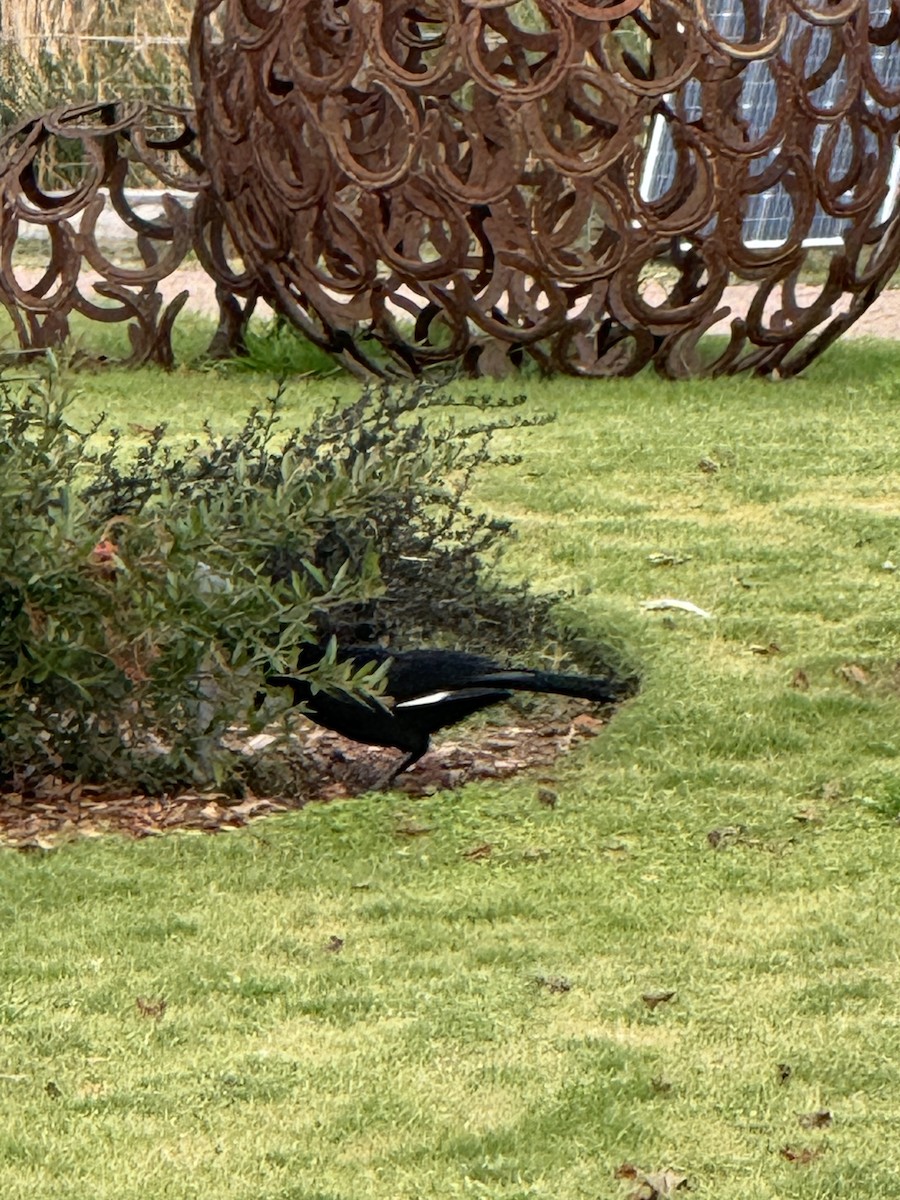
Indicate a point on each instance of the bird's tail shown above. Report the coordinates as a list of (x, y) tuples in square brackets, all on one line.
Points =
[(583, 687)]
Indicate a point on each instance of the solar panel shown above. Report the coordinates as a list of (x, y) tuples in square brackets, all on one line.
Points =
[(768, 215)]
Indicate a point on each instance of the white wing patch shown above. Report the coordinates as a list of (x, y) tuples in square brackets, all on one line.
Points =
[(431, 698)]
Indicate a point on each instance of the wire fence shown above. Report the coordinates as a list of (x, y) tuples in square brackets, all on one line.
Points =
[(59, 52)]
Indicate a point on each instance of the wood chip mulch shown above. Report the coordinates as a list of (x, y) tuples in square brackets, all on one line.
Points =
[(325, 767)]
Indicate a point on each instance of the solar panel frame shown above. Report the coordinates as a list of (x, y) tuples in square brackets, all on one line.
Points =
[(768, 214)]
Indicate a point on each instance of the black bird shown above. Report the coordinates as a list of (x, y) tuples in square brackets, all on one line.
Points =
[(426, 690)]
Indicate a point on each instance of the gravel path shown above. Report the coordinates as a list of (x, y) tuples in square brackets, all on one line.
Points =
[(881, 320)]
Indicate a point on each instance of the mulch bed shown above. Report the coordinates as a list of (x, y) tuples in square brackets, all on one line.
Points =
[(325, 767)]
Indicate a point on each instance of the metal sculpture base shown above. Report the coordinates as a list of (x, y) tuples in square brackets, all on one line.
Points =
[(464, 183), (112, 146)]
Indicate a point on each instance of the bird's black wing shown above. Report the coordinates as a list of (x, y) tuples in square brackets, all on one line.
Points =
[(411, 673), (414, 673), (437, 710), (363, 718)]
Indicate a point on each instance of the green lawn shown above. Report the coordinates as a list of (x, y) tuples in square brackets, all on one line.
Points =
[(482, 1031)]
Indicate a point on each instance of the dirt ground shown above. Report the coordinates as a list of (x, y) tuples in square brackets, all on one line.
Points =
[(316, 765)]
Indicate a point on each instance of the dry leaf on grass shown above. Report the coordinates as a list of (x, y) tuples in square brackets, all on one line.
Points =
[(854, 674), (802, 1155), (485, 850), (652, 1185), (808, 816), (334, 945), (728, 833), (557, 984), (654, 999), (800, 680), (664, 558), (820, 1119), (150, 1008)]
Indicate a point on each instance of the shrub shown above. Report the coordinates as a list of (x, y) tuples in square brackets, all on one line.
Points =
[(137, 609), (144, 594)]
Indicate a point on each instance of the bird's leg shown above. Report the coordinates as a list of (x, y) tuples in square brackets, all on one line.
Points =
[(386, 780)]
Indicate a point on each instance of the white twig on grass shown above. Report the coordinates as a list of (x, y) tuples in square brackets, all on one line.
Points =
[(683, 605)]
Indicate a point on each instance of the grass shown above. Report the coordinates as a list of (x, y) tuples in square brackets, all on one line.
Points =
[(432, 1055)]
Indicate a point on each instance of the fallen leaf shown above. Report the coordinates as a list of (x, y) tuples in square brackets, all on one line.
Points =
[(800, 680), (485, 850), (652, 1185), (660, 1184), (334, 945), (38, 842), (808, 816), (820, 1119), (661, 1086), (499, 742), (653, 999), (150, 1008), (664, 558), (785, 1071), (802, 1155), (258, 742), (854, 674), (53, 1090), (717, 837), (556, 984), (708, 465), (586, 723), (547, 797)]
